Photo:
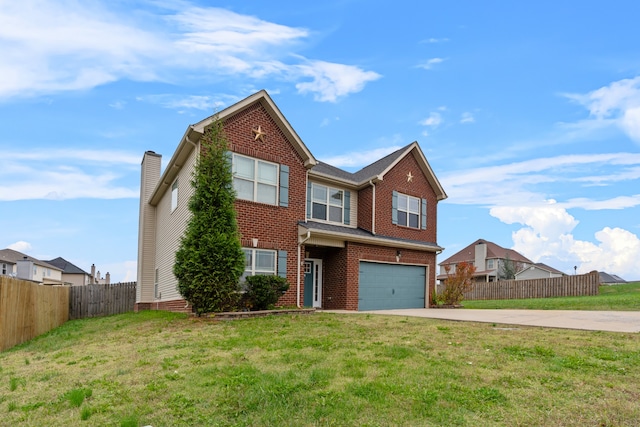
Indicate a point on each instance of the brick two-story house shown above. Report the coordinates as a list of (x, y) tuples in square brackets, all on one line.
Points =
[(353, 241), (487, 257)]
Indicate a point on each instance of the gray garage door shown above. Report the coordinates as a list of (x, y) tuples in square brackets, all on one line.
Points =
[(390, 286)]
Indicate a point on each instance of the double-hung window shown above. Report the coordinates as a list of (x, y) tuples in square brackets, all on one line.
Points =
[(255, 180), (408, 211), (258, 261), (327, 203)]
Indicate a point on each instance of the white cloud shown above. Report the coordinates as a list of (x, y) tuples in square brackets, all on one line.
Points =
[(435, 40), (20, 246), (84, 45), (197, 102), (360, 158), (518, 182), (67, 174), (616, 104), (126, 271), (547, 236), (434, 120), (331, 81), (467, 118), (428, 65)]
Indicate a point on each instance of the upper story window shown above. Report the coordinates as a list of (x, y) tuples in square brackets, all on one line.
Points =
[(490, 264), (255, 180), (409, 211), (174, 195), (327, 203)]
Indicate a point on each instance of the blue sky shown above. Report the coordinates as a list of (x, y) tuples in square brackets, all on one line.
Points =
[(528, 112)]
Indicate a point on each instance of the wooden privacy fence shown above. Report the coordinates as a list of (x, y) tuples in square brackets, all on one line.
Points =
[(28, 309), (577, 285), (101, 300)]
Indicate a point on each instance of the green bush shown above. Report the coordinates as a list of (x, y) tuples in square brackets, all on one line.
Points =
[(262, 292)]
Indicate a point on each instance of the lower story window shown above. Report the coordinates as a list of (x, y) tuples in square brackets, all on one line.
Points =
[(258, 261)]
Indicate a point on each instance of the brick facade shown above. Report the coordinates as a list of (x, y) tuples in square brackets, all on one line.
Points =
[(396, 180), (275, 227)]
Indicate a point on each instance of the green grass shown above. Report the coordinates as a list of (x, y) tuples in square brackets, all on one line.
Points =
[(616, 297), (160, 369)]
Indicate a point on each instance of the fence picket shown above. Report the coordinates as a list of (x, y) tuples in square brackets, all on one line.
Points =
[(101, 300)]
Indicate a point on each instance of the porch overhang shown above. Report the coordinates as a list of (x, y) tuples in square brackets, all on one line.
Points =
[(341, 235)]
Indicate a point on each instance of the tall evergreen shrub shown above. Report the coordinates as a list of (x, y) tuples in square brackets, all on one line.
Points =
[(210, 260)]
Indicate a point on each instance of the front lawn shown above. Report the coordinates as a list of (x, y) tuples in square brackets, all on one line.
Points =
[(163, 369), (615, 297)]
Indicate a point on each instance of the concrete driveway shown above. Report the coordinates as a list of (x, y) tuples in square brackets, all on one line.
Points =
[(612, 321)]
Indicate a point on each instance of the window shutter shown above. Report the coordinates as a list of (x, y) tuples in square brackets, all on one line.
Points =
[(394, 208), (282, 264), (423, 214), (308, 199), (284, 186), (347, 207)]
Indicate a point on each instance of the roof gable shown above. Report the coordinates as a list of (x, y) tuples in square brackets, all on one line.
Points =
[(194, 132), (12, 257), (377, 170)]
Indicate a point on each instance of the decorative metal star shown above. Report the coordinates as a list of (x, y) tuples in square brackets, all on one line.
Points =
[(259, 134), (409, 177)]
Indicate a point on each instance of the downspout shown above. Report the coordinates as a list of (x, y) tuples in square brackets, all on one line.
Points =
[(373, 208), (300, 242)]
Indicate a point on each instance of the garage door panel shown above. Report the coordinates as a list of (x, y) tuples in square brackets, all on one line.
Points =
[(390, 286)]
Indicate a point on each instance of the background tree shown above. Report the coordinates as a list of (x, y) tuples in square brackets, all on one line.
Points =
[(509, 268), (456, 284), (210, 260)]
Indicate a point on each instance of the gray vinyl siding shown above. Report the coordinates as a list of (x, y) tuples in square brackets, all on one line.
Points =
[(170, 228)]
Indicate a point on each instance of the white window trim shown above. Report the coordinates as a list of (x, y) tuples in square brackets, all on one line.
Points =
[(252, 269), (328, 204), (256, 181), (408, 210)]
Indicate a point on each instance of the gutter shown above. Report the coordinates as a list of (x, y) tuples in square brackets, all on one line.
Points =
[(373, 208)]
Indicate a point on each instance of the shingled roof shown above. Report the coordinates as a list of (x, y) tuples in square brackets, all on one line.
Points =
[(66, 266), (376, 170), (494, 251), (12, 257)]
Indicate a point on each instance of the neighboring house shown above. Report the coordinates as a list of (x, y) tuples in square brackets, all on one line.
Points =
[(71, 273), (610, 279), (538, 271), (24, 267), (487, 257), (353, 241)]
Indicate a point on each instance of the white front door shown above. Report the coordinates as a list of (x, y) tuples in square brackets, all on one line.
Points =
[(313, 282)]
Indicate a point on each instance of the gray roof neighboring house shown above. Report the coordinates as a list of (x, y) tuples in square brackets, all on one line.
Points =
[(12, 257), (494, 251), (610, 278), (66, 266), (545, 267)]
